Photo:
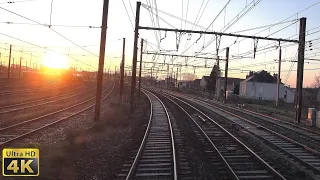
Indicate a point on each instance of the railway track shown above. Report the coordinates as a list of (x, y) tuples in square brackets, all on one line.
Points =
[(238, 161), (10, 92), (156, 157), (20, 130), (40, 102), (304, 136), (302, 154)]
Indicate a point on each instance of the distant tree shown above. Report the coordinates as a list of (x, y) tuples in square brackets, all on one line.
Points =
[(316, 83), (215, 72), (189, 76)]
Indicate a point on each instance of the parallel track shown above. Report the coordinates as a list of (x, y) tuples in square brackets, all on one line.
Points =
[(40, 102), (238, 160), (306, 156), (308, 137), (4, 93), (20, 130), (156, 157)]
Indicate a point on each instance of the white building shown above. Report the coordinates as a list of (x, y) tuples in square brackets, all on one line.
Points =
[(265, 91)]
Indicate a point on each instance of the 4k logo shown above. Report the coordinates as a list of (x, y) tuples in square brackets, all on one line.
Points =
[(20, 162)]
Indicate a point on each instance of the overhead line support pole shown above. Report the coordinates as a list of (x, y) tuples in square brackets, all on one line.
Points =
[(101, 59), (122, 69), (302, 38), (9, 66), (12, 74), (20, 68), (278, 78), (226, 75), (140, 67), (134, 59)]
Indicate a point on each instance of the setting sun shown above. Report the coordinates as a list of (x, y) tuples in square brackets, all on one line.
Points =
[(53, 60)]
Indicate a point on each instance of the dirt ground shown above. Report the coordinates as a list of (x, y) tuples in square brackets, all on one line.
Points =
[(81, 149)]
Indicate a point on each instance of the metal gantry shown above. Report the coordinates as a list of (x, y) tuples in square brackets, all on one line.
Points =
[(301, 43)]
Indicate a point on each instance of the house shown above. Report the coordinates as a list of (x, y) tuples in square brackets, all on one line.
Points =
[(195, 84), (184, 84), (233, 84), (203, 82), (262, 85)]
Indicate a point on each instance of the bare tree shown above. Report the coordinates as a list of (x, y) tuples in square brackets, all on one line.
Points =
[(189, 76), (316, 83)]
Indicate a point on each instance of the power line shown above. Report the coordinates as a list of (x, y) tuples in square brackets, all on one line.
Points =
[(61, 25), (50, 29), (232, 22), (255, 28), (128, 14), (41, 47), (185, 22), (13, 2), (131, 9), (283, 20)]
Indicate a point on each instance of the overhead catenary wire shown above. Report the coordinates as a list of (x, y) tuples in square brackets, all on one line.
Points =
[(41, 47), (50, 29), (313, 5), (128, 14), (13, 2), (47, 25), (243, 12)]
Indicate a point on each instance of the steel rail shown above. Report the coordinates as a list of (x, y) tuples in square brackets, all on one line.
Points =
[(139, 153), (61, 97), (49, 114), (50, 124), (234, 176), (30, 90), (138, 156), (263, 115), (175, 174), (286, 126), (277, 174), (35, 101), (291, 154)]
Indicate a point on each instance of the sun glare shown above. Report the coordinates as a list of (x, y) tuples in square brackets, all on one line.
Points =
[(53, 60)]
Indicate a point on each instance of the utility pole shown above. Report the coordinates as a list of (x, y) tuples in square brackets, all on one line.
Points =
[(140, 66), (177, 77), (151, 77), (9, 66), (278, 78), (134, 59), (30, 62), (217, 89), (20, 68), (12, 74), (101, 59), (302, 38), (122, 69), (226, 75), (105, 73), (26, 69)]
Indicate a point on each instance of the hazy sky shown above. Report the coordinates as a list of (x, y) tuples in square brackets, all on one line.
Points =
[(88, 13)]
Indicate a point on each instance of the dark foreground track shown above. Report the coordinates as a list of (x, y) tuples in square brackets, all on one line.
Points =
[(305, 156), (156, 157), (233, 158)]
